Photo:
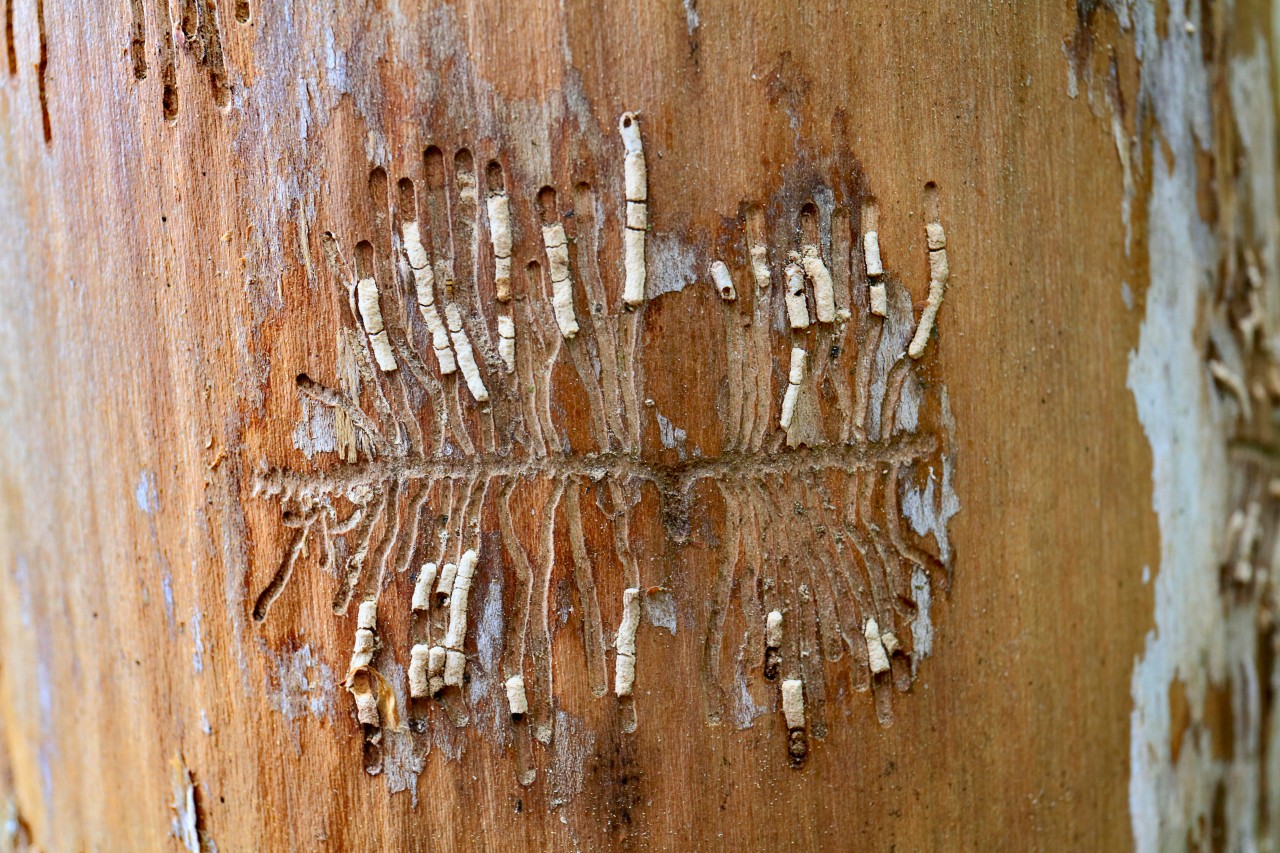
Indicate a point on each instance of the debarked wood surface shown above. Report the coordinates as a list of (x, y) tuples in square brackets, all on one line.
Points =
[(189, 193)]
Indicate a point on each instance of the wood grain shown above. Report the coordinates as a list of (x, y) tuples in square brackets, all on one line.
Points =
[(166, 285)]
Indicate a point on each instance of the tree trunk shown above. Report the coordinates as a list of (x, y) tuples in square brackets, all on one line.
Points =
[(540, 425)]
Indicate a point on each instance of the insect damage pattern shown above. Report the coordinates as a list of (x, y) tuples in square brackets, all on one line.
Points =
[(832, 484)]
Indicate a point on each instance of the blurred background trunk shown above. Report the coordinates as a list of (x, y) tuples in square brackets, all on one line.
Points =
[(487, 425)]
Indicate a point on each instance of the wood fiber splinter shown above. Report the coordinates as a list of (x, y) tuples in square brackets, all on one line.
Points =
[(457, 631), (557, 246), (422, 589), (499, 209), (875, 269), (424, 287), (760, 266), (796, 376), (466, 355), (456, 634), (419, 677), (444, 586), (871, 250), (517, 701), (723, 281), (772, 644), (793, 703), (374, 697), (507, 341), (435, 670), (793, 712), (371, 316), (877, 655), (824, 291), (797, 308), (939, 272), (625, 665), (636, 185)]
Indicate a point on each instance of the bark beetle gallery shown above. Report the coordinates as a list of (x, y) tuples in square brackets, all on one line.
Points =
[(834, 473)]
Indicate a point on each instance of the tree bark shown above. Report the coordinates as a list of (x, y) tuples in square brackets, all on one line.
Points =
[(666, 425)]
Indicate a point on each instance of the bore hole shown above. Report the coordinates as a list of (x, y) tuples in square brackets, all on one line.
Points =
[(333, 254), (547, 204), (170, 100), (378, 192), (772, 662), (433, 161), (42, 68), (137, 38), (493, 176), (190, 20), (213, 56), (754, 217), (364, 259), (809, 224), (407, 202), (8, 34), (533, 278), (932, 208), (463, 162), (870, 215)]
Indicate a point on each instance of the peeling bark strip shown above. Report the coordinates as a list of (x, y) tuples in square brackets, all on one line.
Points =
[(1204, 750), (816, 541), (186, 814)]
